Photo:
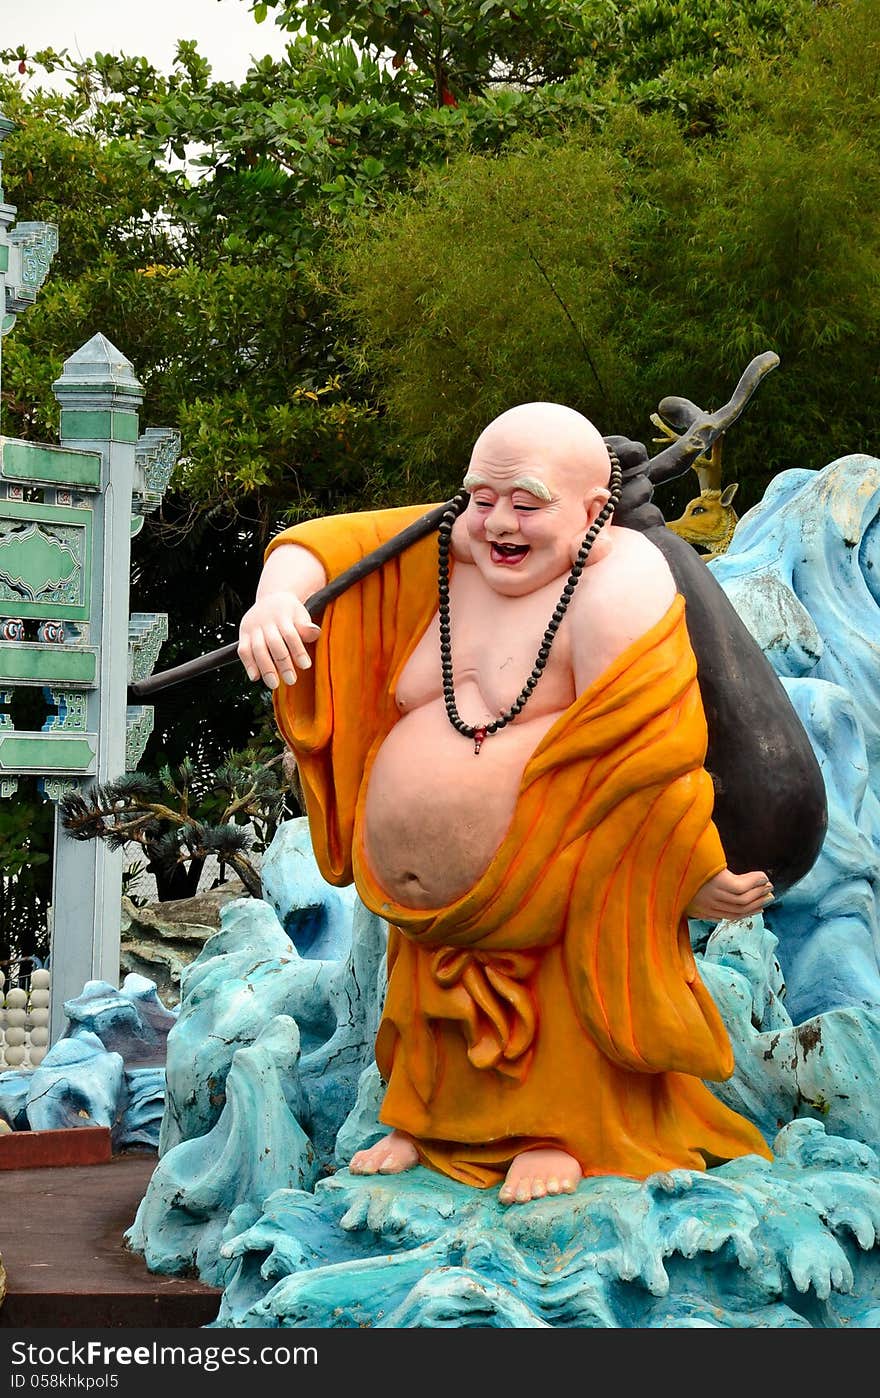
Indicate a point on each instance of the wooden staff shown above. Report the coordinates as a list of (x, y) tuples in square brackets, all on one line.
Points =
[(702, 431)]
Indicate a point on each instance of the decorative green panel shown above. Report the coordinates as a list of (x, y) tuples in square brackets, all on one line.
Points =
[(45, 465), (98, 425), (155, 458), (48, 752), (139, 720), (36, 244), (125, 427), (53, 788), (27, 662), (45, 560), (4, 257), (92, 425), (146, 632), (71, 715)]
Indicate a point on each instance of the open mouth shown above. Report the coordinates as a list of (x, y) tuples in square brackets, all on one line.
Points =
[(508, 555)]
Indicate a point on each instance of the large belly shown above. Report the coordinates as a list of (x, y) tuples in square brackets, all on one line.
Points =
[(436, 813)]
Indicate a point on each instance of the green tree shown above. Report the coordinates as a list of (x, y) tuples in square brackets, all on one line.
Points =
[(479, 291), (235, 350), (179, 818), (654, 51), (780, 251), (658, 265), (221, 288), (25, 884)]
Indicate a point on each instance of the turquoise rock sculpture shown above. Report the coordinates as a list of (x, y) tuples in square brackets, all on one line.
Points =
[(141, 1119), (256, 1143), (132, 1021), (78, 1084), (14, 1085), (747, 1244), (108, 1069), (272, 1051)]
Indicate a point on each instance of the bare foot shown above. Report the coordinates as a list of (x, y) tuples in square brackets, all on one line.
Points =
[(536, 1173), (389, 1156)]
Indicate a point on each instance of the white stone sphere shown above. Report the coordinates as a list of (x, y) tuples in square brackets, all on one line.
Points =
[(15, 1038), (39, 999), (38, 1017), (16, 999), (39, 1038), (39, 980), (38, 1053), (14, 1056), (16, 1018)]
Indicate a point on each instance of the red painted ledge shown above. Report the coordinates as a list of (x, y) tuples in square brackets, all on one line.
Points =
[(72, 1145)]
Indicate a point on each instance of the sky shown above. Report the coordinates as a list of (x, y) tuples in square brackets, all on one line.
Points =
[(225, 30)]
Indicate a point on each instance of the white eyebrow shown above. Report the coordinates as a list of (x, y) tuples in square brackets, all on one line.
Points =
[(530, 483)]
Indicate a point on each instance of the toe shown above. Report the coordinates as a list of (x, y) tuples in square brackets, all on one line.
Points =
[(553, 1185), (524, 1191), (539, 1189)]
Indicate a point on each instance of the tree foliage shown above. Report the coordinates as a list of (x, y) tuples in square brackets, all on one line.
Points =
[(180, 820), (26, 839), (233, 342), (669, 263), (195, 213), (652, 51), (498, 295)]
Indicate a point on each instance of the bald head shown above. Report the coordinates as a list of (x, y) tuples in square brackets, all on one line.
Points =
[(537, 437)]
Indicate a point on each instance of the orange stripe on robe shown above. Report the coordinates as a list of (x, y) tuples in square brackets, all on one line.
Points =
[(558, 1002)]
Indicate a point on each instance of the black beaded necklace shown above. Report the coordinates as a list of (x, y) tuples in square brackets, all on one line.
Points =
[(481, 732)]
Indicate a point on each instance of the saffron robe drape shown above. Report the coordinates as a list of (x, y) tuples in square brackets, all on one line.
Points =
[(557, 1002)]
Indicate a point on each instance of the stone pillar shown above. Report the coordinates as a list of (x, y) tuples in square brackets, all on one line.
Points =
[(100, 397)]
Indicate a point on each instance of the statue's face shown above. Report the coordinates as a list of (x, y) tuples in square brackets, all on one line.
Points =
[(528, 513)]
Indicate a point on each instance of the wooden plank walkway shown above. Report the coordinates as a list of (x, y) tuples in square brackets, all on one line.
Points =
[(61, 1241)]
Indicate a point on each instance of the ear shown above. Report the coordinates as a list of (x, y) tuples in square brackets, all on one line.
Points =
[(728, 493), (594, 502)]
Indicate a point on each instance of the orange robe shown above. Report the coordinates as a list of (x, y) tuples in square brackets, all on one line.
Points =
[(557, 1003)]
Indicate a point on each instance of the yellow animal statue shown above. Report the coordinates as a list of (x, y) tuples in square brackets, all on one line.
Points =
[(708, 520)]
